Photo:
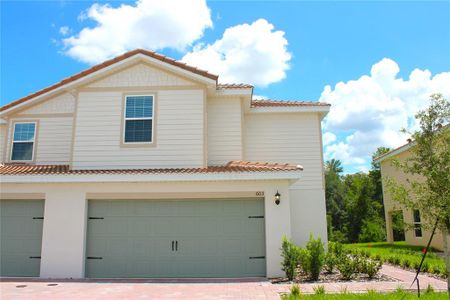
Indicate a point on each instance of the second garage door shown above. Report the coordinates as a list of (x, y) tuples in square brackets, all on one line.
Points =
[(175, 238)]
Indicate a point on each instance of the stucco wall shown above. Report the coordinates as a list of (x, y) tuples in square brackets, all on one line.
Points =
[(65, 214), (390, 171)]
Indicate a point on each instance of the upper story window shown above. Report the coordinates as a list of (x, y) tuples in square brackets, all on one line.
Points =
[(417, 223), (138, 119), (23, 141)]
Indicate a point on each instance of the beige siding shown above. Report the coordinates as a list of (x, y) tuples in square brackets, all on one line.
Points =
[(64, 103), (224, 130), (2, 141), (286, 138), (178, 126), (141, 75), (390, 171), (53, 139)]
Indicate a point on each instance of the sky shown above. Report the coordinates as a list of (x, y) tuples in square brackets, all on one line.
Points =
[(376, 63)]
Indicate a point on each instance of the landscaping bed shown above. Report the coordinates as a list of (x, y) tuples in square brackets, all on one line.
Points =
[(402, 255), (399, 295)]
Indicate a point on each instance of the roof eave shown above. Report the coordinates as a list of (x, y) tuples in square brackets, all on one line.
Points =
[(202, 177), (394, 152), (104, 70)]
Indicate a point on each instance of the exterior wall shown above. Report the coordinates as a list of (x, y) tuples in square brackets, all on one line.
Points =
[(65, 207), (64, 103), (141, 75), (53, 138), (295, 139), (3, 132), (224, 117), (388, 170), (308, 215), (178, 137)]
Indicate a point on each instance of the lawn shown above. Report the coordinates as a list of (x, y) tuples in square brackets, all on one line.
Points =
[(400, 254), (402, 295)]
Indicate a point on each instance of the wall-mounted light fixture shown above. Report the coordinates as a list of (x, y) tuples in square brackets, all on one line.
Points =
[(277, 198)]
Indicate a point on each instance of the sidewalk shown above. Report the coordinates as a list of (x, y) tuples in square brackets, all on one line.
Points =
[(229, 289)]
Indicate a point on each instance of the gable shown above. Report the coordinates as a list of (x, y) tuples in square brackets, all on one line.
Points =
[(64, 103), (141, 75)]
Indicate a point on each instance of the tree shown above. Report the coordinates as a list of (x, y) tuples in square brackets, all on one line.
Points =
[(428, 187), (334, 165)]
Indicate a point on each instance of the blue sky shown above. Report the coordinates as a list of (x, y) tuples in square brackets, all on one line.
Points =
[(324, 43)]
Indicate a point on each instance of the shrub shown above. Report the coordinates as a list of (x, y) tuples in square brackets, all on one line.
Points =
[(316, 256), (290, 254), (371, 268), (305, 260), (425, 267), (330, 262), (405, 263), (347, 267), (335, 248), (415, 264), (319, 290)]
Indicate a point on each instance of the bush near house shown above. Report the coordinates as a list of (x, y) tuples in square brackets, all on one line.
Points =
[(312, 259), (400, 254)]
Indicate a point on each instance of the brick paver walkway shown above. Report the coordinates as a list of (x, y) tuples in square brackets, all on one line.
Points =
[(144, 289)]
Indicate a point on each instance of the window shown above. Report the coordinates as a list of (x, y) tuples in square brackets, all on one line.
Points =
[(138, 119), (23, 141), (417, 223)]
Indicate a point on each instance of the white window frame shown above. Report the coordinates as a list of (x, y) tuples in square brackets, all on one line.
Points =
[(125, 119), (12, 141), (417, 223)]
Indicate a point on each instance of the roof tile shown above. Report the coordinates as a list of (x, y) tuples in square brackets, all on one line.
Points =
[(232, 166), (285, 103), (106, 64)]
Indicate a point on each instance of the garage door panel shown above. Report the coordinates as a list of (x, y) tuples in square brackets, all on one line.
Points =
[(215, 239), (21, 237)]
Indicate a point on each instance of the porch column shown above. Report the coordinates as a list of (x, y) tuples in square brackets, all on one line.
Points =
[(64, 231)]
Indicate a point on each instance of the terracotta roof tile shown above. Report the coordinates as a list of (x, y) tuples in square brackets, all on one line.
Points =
[(285, 103), (233, 166), (107, 64), (234, 86)]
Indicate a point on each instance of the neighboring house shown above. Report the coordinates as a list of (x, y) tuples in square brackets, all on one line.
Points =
[(393, 210), (143, 166)]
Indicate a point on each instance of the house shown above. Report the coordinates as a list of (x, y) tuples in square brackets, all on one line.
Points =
[(395, 213), (143, 166)]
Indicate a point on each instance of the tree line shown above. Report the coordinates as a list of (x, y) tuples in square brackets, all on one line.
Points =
[(355, 211)]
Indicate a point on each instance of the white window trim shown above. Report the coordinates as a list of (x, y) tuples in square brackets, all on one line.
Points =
[(417, 223), (12, 141), (125, 119)]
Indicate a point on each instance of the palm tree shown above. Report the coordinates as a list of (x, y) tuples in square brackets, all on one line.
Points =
[(334, 165)]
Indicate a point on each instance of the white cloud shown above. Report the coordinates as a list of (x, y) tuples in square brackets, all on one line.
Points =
[(250, 53), (328, 138), (64, 30), (259, 97), (371, 110), (149, 24)]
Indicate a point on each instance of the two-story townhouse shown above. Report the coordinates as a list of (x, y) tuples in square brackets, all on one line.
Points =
[(419, 235), (143, 166)]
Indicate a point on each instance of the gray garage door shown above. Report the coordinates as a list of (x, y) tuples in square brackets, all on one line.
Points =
[(176, 238), (21, 237)]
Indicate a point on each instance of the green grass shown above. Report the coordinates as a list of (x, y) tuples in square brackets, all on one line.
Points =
[(400, 254), (400, 295)]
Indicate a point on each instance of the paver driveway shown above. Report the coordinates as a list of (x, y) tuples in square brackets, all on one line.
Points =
[(144, 289)]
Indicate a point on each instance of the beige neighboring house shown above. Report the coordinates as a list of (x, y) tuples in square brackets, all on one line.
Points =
[(143, 166), (419, 235)]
